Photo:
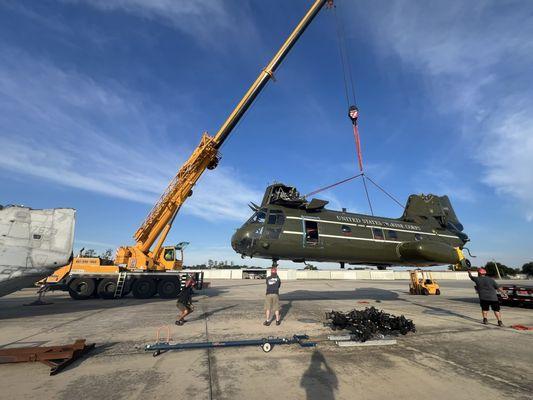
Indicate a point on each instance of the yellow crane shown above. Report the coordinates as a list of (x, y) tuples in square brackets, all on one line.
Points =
[(146, 268)]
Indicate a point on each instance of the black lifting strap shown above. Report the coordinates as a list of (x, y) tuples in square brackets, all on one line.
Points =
[(353, 114)]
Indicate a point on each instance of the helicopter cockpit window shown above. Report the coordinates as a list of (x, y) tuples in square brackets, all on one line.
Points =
[(258, 217), (169, 255), (276, 217)]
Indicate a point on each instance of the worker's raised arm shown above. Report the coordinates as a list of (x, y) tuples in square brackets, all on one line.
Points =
[(470, 275)]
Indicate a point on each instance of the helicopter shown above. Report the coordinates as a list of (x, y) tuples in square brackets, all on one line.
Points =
[(287, 226)]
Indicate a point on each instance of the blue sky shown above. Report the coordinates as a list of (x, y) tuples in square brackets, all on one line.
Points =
[(101, 101)]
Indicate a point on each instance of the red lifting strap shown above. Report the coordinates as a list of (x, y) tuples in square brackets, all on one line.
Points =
[(358, 146), (353, 114)]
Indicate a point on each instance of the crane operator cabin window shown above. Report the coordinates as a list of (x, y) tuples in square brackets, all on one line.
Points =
[(169, 254)]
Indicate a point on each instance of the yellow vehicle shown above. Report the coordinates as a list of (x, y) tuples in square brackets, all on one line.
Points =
[(423, 283), (85, 277), (148, 267)]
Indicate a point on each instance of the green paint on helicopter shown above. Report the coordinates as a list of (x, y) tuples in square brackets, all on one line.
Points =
[(286, 226)]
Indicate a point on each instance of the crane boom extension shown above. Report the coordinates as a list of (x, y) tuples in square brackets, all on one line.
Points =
[(159, 221)]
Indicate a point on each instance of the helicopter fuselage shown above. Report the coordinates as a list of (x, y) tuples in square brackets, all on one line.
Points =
[(313, 233)]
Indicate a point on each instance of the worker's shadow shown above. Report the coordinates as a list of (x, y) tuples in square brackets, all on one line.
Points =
[(210, 313), (356, 294), (211, 291), (319, 380), (434, 310), (284, 310)]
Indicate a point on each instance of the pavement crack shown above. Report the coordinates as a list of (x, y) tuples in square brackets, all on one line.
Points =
[(208, 351)]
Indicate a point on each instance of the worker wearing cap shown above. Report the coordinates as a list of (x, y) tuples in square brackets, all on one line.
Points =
[(184, 302), (273, 283), (487, 291)]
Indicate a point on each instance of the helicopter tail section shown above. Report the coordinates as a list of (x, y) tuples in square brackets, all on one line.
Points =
[(435, 210)]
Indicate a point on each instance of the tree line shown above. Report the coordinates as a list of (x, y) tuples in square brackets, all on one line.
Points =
[(492, 268)]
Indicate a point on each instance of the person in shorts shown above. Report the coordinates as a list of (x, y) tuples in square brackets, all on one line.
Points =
[(273, 283), (487, 289), (184, 302)]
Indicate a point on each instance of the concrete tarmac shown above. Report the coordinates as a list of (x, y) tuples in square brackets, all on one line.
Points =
[(451, 356)]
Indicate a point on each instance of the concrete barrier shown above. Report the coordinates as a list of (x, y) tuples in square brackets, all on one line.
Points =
[(292, 274), (324, 275), (463, 275), (381, 275), (288, 274), (218, 274), (401, 275), (363, 274), (307, 275), (236, 273)]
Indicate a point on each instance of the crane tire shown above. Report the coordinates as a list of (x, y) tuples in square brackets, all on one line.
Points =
[(168, 288), (81, 288), (144, 288), (106, 288)]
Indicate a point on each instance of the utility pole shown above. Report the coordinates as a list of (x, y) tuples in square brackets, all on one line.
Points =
[(497, 269)]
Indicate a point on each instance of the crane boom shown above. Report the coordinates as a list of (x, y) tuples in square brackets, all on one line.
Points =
[(159, 221)]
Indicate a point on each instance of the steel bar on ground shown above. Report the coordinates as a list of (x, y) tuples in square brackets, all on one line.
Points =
[(56, 357)]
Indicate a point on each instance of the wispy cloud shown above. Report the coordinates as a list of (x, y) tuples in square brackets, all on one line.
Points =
[(205, 20), (75, 131), (439, 180), (507, 156), (477, 58)]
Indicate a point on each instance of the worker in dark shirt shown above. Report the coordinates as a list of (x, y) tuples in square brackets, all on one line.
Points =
[(487, 291), (184, 303), (273, 283)]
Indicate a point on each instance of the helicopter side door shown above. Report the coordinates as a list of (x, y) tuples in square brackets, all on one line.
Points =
[(311, 233)]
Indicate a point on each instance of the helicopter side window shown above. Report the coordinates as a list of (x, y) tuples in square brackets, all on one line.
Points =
[(346, 229), (392, 234), (169, 255), (276, 217), (418, 236), (378, 233), (311, 232)]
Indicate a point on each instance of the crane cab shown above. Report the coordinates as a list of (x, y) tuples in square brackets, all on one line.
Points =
[(171, 257)]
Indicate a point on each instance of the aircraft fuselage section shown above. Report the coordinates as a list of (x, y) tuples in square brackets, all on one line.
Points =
[(278, 232), (32, 244)]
